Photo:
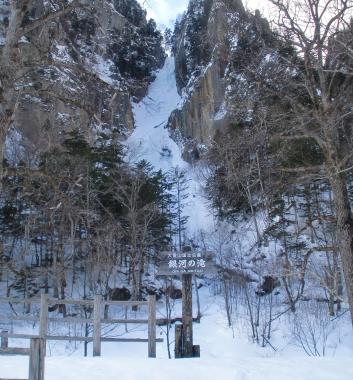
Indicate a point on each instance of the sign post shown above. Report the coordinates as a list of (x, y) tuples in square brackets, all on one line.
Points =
[(187, 316), (185, 264)]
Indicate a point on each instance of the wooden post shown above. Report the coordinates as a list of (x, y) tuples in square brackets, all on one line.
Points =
[(4, 340), (178, 350), (151, 326), (126, 329), (37, 359), (196, 351), (97, 306), (187, 316), (43, 318)]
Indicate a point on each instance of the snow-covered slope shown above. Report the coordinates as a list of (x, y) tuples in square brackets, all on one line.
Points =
[(151, 141)]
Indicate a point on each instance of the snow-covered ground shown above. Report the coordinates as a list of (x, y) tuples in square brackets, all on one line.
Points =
[(225, 354), (251, 368)]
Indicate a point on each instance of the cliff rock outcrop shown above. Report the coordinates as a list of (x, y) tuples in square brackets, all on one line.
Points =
[(79, 71), (206, 45)]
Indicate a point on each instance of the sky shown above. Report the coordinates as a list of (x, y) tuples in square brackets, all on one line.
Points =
[(166, 11)]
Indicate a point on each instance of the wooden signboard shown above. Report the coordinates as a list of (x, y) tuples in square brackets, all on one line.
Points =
[(185, 264), (174, 264)]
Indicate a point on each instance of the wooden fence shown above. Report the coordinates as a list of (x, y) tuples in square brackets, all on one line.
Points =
[(38, 342)]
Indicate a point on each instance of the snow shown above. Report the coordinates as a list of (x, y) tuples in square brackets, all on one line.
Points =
[(151, 116), (102, 68), (228, 369), (23, 40), (61, 53), (221, 113), (63, 117), (234, 40), (150, 140), (223, 356), (14, 150)]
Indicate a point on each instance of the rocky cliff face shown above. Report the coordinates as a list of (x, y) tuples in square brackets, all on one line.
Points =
[(4, 16), (206, 46), (80, 71)]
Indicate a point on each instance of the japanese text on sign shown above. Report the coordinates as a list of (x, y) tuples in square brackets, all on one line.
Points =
[(183, 263)]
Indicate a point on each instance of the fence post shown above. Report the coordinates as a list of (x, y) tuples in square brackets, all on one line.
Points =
[(43, 324), (37, 359), (97, 307), (151, 326), (4, 340), (43, 318)]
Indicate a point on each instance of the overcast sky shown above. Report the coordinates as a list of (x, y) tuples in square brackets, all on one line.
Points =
[(166, 11)]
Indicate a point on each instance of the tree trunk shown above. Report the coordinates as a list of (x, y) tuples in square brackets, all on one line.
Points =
[(2, 154), (344, 231), (10, 63), (135, 276)]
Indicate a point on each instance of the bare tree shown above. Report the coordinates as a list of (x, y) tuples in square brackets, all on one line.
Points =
[(322, 35), (136, 222), (239, 164)]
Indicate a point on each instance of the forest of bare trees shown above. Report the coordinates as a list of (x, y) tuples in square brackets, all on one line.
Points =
[(290, 162)]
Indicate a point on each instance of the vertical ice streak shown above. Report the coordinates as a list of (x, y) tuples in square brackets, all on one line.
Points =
[(150, 141)]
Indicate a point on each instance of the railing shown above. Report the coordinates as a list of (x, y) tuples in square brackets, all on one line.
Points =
[(38, 342)]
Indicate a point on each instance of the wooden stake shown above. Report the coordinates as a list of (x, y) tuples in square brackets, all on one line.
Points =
[(178, 350), (37, 359), (4, 340), (43, 319), (97, 325), (151, 326)]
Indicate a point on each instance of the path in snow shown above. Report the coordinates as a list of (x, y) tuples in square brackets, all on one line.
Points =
[(150, 141)]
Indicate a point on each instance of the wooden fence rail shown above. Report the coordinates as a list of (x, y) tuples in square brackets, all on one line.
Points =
[(74, 339), (38, 342), (97, 320)]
